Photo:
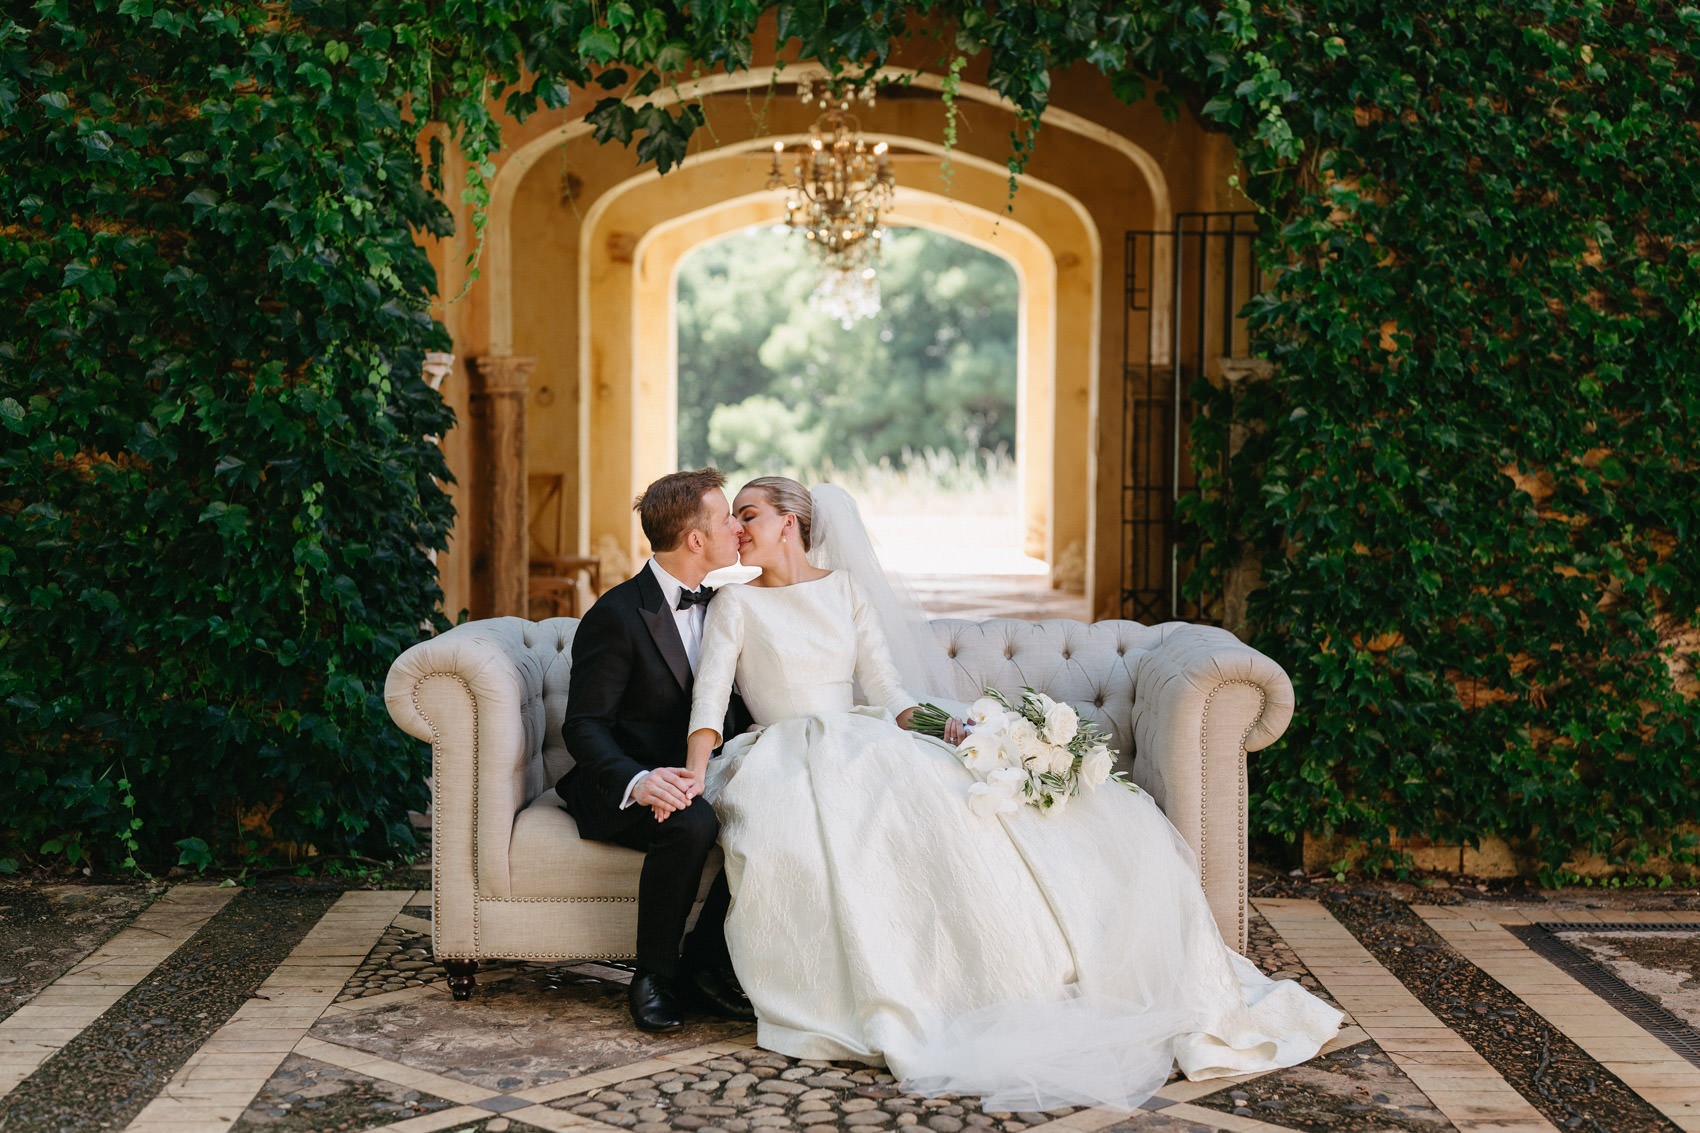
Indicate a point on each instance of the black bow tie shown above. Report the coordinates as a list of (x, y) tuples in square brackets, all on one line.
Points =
[(689, 598)]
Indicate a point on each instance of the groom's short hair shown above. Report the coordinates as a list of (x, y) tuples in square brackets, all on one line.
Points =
[(672, 506)]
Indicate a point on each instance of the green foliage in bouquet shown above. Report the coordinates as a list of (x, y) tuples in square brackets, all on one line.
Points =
[(1039, 752)]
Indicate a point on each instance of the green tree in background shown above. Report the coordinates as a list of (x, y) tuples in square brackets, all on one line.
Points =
[(766, 380)]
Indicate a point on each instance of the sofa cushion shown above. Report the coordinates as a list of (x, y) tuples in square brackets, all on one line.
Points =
[(547, 858)]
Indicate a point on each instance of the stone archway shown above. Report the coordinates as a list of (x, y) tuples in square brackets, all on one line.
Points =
[(654, 367), (569, 229), (631, 243)]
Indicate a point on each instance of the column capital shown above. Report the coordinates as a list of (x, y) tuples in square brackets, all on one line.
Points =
[(1237, 370), (438, 366), (502, 373)]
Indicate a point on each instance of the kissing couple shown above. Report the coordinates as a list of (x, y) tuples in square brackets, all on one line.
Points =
[(865, 912)]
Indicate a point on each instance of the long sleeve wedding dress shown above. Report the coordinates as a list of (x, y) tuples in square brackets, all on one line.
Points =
[(1037, 959)]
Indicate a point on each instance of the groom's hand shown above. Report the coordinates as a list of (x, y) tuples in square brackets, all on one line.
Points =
[(665, 790)]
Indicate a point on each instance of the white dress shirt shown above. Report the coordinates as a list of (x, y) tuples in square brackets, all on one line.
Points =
[(689, 620)]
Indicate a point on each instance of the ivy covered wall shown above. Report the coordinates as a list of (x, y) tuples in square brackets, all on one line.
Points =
[(217, 490), (1472, 484), (1468, 487)]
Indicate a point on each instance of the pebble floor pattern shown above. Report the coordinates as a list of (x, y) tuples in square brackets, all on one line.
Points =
[(308, 1010)]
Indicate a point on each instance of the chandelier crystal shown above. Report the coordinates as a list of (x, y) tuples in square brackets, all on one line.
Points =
[(838, 189)]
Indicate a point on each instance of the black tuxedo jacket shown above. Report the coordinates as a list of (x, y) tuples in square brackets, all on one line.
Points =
[(628, 701)]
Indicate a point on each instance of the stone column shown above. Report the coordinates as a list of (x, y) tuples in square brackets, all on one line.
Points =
[(499, 565), (438, 366)]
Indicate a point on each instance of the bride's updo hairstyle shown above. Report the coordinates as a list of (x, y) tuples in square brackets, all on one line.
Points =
[(788, 498)]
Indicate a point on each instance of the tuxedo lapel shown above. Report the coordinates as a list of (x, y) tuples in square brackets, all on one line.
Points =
[(658, 619)]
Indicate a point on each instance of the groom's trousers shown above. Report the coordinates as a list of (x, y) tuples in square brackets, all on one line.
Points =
[(675, 852)]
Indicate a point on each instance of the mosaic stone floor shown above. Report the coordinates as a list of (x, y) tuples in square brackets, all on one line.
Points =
[(306, 1009)]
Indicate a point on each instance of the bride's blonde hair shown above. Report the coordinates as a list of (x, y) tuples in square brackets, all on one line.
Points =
[(788, 498)]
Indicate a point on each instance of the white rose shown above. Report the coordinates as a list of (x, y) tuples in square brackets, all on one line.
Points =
[(986, 799), (1025, 738), (1060, 724), (1058, 760), (1097, 765)]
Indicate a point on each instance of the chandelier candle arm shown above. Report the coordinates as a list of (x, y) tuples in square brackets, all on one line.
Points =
[(839, 189)]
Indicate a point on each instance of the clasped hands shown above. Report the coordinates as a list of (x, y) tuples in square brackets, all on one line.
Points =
[(667, 789)]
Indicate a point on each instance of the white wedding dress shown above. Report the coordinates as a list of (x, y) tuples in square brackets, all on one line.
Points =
[(1037, 959)]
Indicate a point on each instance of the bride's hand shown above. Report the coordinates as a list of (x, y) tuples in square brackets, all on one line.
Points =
[(955, 731)]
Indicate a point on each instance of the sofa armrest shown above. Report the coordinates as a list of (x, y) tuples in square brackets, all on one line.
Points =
[(470, 693), (1202, 699)]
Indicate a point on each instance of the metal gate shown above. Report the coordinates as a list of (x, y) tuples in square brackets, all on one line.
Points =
[(1184, 291)]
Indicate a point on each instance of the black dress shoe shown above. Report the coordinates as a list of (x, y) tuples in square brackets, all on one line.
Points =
[(654, 1004), (717, 988)]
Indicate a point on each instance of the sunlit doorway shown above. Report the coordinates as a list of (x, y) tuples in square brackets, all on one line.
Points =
[(915, 409)]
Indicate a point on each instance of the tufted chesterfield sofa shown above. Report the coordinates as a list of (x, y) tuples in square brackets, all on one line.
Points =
[(512, 879)]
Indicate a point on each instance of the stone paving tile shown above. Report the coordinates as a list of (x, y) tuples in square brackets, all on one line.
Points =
[(61, 1011), (306, 1096), (1434, 1057), (1492, 999), (1276, 958), (750, 1090), (104, 1075), (1654, 1073), (1359, 1084), (1664, 966), (401, 959), (45, 929), (531, 1029), (538, 1042), (217, 1082), (1163, 1121)]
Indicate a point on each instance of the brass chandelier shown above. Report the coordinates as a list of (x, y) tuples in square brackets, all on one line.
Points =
[(838, 189)]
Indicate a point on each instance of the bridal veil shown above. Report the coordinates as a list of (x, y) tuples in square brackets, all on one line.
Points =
[(839, 540)]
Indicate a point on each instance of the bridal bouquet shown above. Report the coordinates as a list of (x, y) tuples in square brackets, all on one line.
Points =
[(1038, 752)]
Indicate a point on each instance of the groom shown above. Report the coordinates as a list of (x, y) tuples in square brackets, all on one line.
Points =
[(628, 709)]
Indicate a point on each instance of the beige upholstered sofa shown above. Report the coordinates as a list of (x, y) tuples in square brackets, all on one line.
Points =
[(511, 879)]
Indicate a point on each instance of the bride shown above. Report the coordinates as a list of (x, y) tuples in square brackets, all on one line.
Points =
[(1039, 960)]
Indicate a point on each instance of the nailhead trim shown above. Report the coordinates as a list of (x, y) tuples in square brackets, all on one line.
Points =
[(436, 810), (1204, 790), (477, 899)]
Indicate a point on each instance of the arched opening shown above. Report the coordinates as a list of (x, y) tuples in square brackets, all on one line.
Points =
[(1046, 243), (603, 243), (915, 408)]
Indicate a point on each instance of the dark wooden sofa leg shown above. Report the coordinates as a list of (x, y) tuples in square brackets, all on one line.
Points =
[(463, 977)]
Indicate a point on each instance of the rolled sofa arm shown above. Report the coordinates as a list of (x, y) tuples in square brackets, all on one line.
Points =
[(1202, 699), (466, 692)]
